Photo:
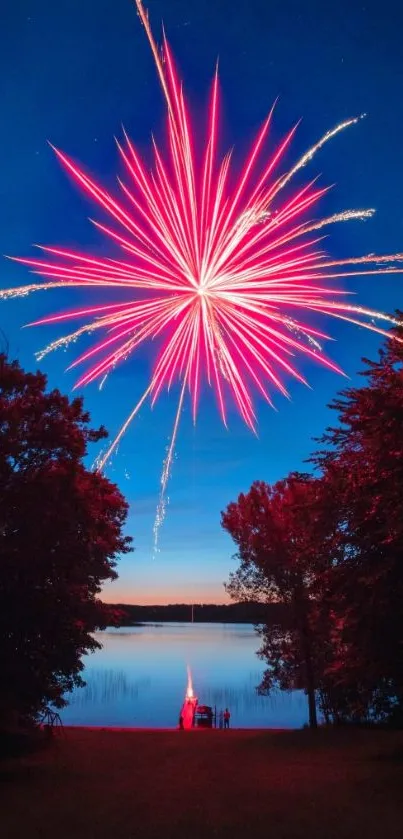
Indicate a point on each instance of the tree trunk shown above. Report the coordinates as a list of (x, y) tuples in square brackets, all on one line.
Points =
[(313, 720), (309, 673), (310, 678), (305, 634)]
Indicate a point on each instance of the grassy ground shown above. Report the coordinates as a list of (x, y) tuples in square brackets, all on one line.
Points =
[(106, 784)]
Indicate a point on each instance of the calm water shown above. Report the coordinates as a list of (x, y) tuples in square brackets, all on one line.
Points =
[(139, 678)]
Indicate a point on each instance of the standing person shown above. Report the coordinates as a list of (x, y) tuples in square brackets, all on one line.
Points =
[(181, 722), (227, 717)]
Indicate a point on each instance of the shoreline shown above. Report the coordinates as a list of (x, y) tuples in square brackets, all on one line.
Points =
[(117, 728)]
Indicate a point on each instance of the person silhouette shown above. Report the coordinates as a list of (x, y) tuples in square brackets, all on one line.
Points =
[(227, 717)]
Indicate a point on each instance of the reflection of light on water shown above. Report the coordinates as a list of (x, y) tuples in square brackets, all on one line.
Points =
[(242, 698), (104, 686), (245, 699), (138, 678)]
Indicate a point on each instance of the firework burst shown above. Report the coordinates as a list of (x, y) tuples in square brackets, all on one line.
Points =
[(226, 273)]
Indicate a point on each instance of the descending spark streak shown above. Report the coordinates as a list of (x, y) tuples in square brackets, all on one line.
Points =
[(65, 340), (307, 157), (124, 427), (24, 290), (224, 270), (346, 215), (161, 509)]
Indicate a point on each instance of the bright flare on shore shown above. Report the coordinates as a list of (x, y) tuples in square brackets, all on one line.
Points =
[(229, 266), (189, 689)]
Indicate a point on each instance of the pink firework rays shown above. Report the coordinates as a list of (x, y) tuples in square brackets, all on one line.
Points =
[(224, 274)]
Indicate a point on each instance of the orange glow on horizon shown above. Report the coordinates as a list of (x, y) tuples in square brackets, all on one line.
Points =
[(209, 594)]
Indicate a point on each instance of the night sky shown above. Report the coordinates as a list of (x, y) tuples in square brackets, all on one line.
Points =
[(72, 72)]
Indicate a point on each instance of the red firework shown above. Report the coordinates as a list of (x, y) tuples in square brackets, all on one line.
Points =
[(230, 269)]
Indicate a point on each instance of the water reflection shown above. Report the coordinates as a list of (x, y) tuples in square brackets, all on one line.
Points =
[(243, 700), (108, 686), (139, 677)]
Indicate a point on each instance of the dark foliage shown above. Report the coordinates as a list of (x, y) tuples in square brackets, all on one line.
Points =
[(331, 547), (285, 538), (362, 462), (60, 535)]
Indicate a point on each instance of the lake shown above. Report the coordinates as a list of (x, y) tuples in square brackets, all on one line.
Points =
[(139, 678)]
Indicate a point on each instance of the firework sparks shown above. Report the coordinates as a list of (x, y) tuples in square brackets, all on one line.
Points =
[(228, 270), (189, 689)]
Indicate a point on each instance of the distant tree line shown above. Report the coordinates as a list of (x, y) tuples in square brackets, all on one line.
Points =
[(329, 546), (244, 612)]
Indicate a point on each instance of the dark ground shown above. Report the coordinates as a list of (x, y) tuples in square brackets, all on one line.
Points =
[(106, 784)]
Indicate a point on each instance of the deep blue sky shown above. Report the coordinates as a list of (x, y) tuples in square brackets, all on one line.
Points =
[(72, 72)]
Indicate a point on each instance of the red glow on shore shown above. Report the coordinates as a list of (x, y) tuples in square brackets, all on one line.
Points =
[(189, 706)]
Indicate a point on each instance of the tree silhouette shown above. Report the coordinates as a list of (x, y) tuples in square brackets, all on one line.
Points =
[(60, 536), (285, 538), (362, 462)]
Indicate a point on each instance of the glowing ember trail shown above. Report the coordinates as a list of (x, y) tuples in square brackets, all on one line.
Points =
[(189, 706), (189, 689), (224, 273)]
